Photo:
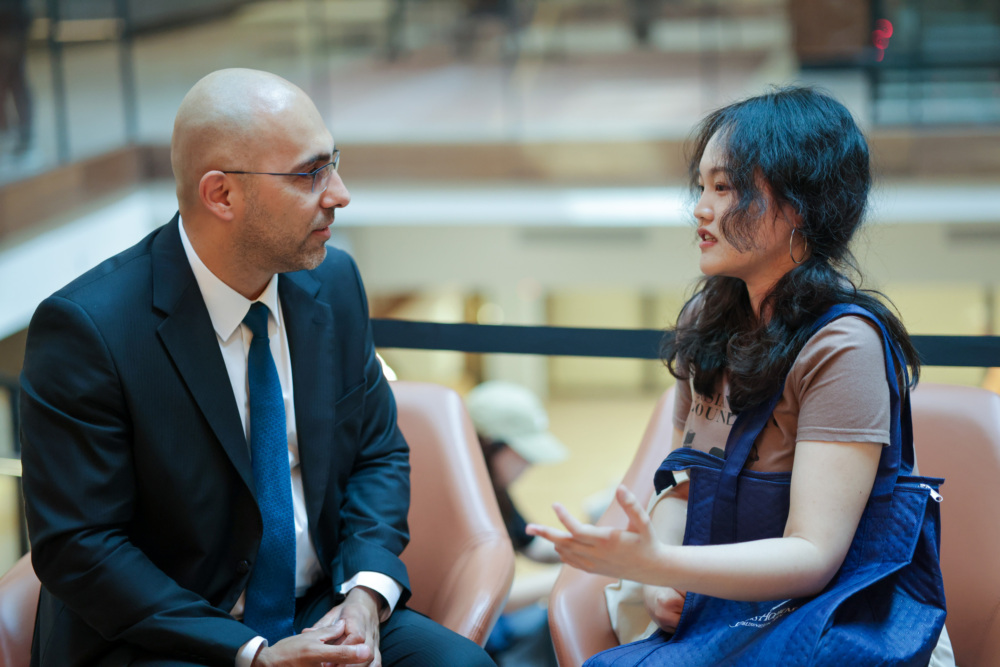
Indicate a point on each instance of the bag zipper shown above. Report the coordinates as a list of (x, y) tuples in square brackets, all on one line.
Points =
[(937, 497)]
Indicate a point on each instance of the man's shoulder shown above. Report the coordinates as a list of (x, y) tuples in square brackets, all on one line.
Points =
[(128, 270)]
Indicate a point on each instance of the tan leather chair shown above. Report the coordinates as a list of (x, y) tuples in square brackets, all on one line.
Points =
[(460, 559), (956, 436), (578, 616), (18, 601), (956, 432)]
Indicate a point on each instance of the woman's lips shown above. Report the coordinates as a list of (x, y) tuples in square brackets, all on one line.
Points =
[(707, 240)]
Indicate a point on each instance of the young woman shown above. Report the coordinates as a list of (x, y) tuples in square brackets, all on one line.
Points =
[(783, 181)]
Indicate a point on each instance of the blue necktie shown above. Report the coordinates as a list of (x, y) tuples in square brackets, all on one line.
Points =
[(270, 598)]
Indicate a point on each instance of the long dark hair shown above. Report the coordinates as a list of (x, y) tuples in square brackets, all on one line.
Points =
[(810, 153)]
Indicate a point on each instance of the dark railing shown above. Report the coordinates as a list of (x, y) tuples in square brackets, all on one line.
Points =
[(975, 351)]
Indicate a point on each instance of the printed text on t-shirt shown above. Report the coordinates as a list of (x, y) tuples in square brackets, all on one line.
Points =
[(713, 408)]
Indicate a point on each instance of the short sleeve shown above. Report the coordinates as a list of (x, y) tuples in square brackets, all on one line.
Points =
[(839, 380)]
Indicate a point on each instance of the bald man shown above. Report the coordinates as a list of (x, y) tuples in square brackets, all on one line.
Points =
[(212, 469)]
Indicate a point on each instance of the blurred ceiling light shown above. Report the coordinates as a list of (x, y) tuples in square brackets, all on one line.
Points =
[(880, 37), (526, 206)]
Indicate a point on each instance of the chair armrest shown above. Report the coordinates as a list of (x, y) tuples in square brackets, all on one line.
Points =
[(578, 636), (473, 595), (578, 612), (19, 589)]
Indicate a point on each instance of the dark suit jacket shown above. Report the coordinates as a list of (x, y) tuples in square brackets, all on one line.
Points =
[(138, 485)]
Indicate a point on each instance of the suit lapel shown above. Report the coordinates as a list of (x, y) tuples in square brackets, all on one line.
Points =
[(188, 336), (309, 327)]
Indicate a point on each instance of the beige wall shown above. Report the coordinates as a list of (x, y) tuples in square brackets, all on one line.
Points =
[(958, 309)]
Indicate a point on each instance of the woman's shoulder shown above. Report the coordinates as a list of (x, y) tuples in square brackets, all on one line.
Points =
[(838, 383), (853, 330), (849, 345)]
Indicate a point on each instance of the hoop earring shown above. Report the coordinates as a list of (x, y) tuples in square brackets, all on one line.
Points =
[(791, 238)]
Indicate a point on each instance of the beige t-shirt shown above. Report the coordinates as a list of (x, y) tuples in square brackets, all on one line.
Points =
[(836, 391)]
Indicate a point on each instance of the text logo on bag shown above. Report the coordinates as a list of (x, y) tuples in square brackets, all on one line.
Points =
[(764, 620)]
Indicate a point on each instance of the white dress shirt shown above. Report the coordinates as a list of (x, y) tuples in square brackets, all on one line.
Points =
[(227, 308)]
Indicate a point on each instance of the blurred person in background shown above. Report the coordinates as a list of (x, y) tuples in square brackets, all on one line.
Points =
[(15, 20), (513, 430), (476, 14), (642, 15)]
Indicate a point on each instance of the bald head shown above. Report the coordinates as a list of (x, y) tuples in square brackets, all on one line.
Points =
[(226, 122)]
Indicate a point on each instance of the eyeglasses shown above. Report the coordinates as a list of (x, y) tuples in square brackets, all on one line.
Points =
[(320, 176)]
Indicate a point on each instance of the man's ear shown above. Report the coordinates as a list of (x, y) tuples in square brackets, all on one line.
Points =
[(217, 194)]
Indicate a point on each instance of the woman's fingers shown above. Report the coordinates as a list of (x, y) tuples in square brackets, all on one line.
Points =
[(600, 549), (578, 532), (551, 534), (583, 533), (568, 520), (567, 546), (637, 516)]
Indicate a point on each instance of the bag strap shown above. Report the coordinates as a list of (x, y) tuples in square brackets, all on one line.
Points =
[(895, 459)]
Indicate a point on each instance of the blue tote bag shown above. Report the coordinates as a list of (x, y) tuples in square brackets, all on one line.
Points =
[(885, 606)]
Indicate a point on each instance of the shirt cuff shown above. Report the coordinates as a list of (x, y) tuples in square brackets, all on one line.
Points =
[(247, 652), (382, 584)]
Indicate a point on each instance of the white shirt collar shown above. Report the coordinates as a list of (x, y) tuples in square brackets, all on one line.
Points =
[(226, 306)]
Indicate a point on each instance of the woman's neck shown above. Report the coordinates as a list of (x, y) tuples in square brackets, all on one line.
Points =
[(758, 292)]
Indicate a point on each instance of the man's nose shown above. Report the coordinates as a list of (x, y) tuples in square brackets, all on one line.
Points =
[(336, 194)]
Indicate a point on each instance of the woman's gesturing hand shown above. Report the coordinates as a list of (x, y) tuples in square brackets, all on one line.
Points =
[(629, 553)]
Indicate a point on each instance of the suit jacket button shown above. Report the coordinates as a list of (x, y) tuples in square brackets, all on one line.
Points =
[(243, 567)]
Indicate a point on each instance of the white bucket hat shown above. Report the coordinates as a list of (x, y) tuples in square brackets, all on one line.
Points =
[(512, 414)]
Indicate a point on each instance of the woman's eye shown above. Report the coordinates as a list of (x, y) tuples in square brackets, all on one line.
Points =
[(721, 187)]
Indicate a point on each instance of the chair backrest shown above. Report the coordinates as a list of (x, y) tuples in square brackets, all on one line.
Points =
[(578, 614), (956, 433), (460, 559), (19, 589)]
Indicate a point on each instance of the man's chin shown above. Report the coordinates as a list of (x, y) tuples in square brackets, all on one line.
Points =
[(315, 258), (305, 261)]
